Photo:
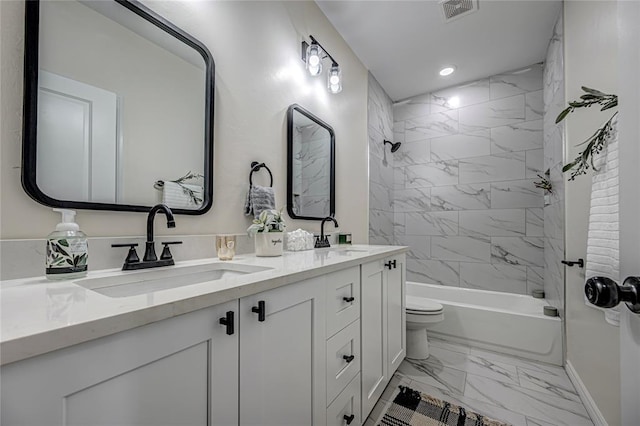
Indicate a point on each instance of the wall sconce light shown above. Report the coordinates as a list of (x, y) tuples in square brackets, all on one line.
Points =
[(313, 54)]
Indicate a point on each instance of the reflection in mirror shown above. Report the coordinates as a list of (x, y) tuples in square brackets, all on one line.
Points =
[(119, 109), (311, 166)]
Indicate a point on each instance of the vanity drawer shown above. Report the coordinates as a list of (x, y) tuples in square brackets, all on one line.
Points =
[(343, 299), (343, 359), (347, 404)]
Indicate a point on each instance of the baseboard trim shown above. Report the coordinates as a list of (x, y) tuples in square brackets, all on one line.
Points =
[(585, 396)]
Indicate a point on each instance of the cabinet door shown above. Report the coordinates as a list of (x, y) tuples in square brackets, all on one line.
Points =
[(282, 358), (181, 370), (396, 317), (373, 318)]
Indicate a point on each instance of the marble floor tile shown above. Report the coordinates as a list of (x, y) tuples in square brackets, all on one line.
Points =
[(553, 384), (439, 343), (439, 376), (472, 364), (480, 407), (502, 387), (536, 422), (550, 408), (519, 362)]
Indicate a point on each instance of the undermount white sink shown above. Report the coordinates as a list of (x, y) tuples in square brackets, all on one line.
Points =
[(142, 282), (351, 250)]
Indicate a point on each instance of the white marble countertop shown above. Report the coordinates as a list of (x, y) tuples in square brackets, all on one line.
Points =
[(39, 316)]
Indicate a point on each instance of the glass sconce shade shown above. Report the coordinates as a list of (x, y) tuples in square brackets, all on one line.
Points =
[(314, 59), (334, 79)]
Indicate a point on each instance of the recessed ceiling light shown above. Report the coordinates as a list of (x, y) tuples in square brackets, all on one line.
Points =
[(447, 71)]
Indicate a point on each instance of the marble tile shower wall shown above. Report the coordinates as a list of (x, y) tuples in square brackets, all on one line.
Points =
[(464, 197), (314, 171), (554, 102), (380, 127)]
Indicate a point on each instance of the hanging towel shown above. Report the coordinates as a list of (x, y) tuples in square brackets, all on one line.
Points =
[(259, 198), (604, 236), (177, 195)]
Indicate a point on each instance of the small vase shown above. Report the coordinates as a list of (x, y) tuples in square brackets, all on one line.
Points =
[(269, 244)]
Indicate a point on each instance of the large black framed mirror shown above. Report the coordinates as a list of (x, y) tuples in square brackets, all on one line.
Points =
[(311, 177), (118, 109)]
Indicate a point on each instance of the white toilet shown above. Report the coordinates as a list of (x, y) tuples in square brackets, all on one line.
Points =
[(420, 313)]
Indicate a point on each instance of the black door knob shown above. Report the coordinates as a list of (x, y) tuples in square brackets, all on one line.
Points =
[(606, 293), (349, 419), (348, 358)]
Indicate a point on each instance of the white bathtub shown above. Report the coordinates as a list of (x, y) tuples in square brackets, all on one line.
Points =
[(501, 322)]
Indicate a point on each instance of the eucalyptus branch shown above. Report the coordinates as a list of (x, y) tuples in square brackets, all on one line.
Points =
[(544, 184), (187, 191), (596, 142)]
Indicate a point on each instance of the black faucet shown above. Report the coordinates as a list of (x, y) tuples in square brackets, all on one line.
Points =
[(150, 259), (323, 241), (150, 249)]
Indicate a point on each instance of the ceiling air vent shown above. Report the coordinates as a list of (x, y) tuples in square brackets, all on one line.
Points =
[(454, 9)]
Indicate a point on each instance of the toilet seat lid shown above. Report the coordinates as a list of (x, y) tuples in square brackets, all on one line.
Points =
[(418, 305)]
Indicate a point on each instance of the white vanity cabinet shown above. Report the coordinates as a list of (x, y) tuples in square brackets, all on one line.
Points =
[(383, 325), (181, 370), (314, 352), (282, 356)]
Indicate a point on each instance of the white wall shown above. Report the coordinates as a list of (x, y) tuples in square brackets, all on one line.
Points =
[(256, 48), (590, 60)]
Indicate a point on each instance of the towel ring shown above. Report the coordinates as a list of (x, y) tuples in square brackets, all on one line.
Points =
[(255, 166)]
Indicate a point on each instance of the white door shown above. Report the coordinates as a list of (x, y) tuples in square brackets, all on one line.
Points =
[(373, 318), (396, 317), (77, 133), (629, 134), (282, 356)]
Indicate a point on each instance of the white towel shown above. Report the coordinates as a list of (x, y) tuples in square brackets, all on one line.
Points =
[(177, 196), (603, 241)]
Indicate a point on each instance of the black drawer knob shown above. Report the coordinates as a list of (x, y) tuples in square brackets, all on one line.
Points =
[(349, 299)]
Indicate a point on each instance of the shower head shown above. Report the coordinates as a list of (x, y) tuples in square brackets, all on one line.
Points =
[(394, 146)]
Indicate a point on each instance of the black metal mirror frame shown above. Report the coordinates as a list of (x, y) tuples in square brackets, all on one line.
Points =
[(332, 173), (30, 111)]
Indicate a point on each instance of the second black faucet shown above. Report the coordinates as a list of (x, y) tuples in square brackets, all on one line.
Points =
[(323, 241)]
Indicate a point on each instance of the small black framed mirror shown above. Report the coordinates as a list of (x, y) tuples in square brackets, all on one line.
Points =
[(118, 109), (310, 166)]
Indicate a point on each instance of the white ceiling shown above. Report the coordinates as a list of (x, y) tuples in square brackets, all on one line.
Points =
[(405, 43)]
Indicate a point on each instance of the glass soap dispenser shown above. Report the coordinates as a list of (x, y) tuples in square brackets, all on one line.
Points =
[(67, 251)]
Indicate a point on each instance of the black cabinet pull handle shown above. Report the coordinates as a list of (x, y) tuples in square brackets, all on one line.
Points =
[(228, 321), (390, 264), (348, 358), (349, 299), (349, 419), (259, 310)]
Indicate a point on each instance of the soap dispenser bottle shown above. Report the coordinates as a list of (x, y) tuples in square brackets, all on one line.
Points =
[(67, 253)]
